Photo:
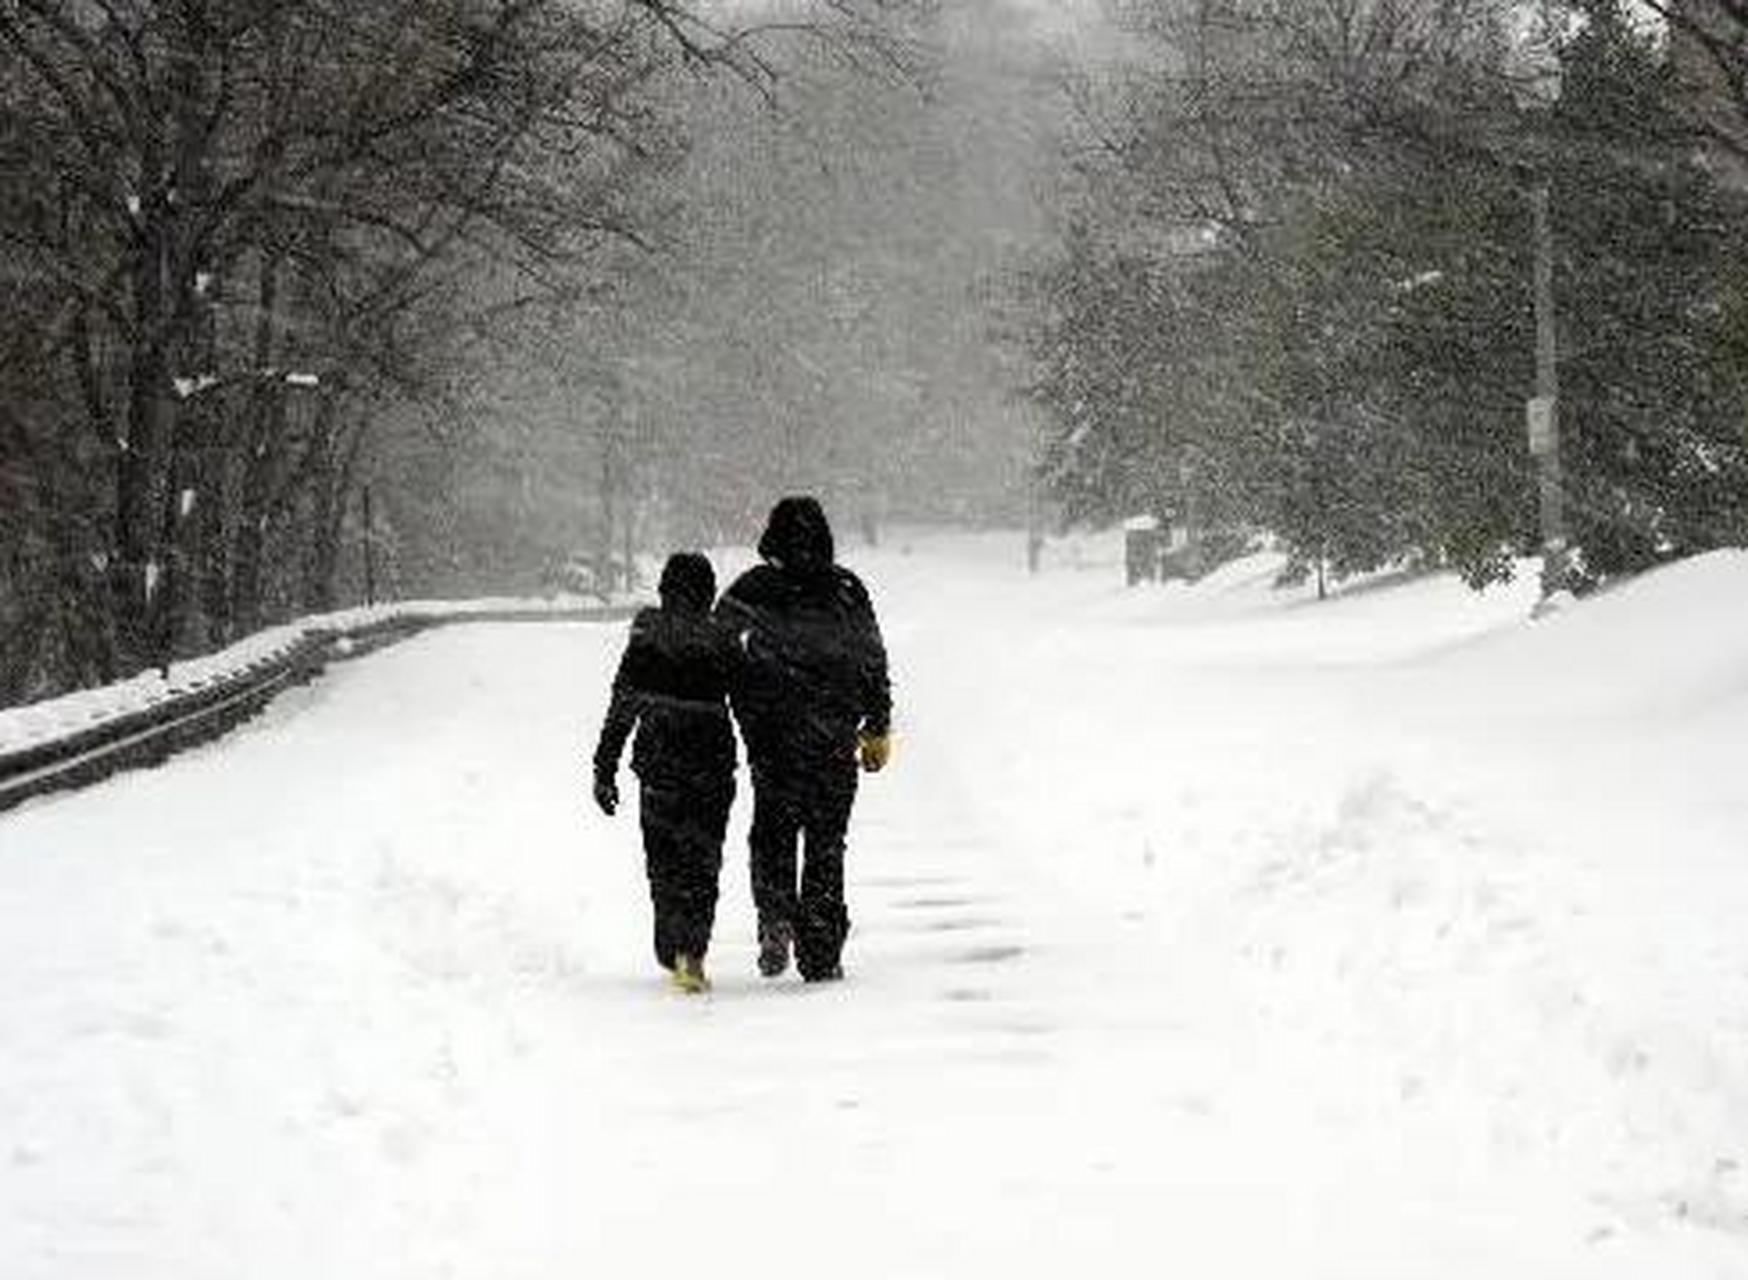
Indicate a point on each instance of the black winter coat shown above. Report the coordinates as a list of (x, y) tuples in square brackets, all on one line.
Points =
[(672, 686), (813, 664)]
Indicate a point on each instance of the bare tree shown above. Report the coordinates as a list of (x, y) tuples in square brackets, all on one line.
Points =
[(240, 231)]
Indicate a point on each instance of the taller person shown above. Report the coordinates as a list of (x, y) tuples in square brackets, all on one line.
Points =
[(814, 702)]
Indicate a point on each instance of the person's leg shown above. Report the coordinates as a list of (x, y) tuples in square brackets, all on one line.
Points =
[(776, 823), (698, 866), (824, 920), (662, 814)]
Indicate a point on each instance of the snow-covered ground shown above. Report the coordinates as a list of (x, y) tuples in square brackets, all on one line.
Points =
[(44, 721), (1205, 932)]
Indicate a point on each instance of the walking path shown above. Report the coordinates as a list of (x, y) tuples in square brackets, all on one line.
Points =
[(1167, 959)]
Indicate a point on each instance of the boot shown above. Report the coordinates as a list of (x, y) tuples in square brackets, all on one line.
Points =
[(775, 938), (689, 975)]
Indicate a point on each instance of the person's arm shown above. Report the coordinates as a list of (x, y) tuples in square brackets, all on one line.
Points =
[(623, 710), (874, 686), (734, 615), (876, 682), (737, 620)]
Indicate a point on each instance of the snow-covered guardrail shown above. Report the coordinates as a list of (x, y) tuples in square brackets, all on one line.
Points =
[(78, 738)]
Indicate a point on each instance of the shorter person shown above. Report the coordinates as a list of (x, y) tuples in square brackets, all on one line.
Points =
[(672, 688)]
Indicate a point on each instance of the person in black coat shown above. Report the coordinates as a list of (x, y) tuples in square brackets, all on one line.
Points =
[(812, 699), (672, 688)]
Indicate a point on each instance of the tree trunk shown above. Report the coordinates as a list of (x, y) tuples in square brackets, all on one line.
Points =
[(212, 545), (263, 439), (140, 457), (81, 542), (195, 440), (327, 509), (263, 447)]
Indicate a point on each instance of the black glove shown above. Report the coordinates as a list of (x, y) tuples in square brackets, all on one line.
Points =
[(606, 793)]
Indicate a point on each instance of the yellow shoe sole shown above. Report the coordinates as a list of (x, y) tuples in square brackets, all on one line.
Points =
[(690, 980)]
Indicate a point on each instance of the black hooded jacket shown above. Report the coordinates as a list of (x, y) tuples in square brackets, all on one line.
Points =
[(814, 664), (672, 686)]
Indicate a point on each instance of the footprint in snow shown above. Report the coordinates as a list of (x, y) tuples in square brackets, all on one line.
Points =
[(1001, 954), (967, 995), (913, 882), (956, 924)]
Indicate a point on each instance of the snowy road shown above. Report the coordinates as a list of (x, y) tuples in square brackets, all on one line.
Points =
[(1196, 933)]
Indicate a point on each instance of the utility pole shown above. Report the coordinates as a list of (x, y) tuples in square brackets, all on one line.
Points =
[(1538, 92), (605, 579), (1192, 517), (628, 526), (1544, 408), (369, 551), (1034, 526)]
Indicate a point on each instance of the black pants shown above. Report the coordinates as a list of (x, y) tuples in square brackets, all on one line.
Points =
[(810, 804), (683, 827)]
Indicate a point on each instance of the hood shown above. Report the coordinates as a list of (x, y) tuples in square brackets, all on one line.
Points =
[(688, 583), (798, 537)]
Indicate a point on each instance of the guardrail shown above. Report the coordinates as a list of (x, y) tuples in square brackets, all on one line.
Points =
[(142, 736)]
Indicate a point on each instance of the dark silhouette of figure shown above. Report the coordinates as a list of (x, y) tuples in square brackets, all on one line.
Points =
[(672, 689), (812, 699)]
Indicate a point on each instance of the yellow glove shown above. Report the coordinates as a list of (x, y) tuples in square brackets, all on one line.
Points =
[(875, 749)]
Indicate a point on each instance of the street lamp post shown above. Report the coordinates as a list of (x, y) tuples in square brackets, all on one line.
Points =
[(1544, 407), (1538, 91)]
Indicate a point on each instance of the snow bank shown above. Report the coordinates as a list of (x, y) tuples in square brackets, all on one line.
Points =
[(1433, 877), (38, 723), (1668, 644)]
